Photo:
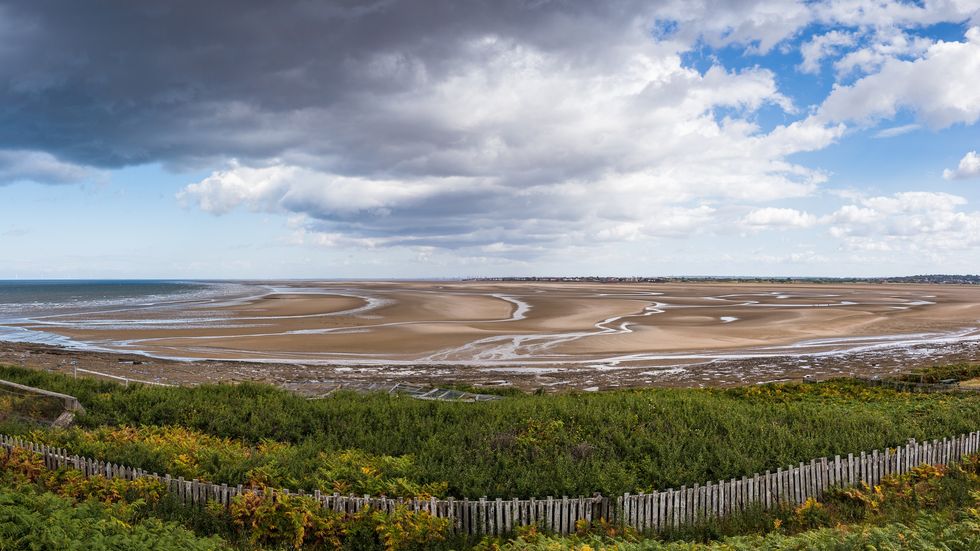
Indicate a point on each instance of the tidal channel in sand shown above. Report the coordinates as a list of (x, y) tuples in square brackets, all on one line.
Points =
[(513, 329)]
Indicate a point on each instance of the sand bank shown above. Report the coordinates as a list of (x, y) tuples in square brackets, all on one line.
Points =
[(531, 324)]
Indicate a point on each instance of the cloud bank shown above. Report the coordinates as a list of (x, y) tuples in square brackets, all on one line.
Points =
[(495, 127)]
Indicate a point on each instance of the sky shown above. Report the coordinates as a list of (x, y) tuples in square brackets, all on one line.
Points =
[(455, 138)]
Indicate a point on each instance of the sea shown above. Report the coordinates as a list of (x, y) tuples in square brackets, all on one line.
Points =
[(26, 301)]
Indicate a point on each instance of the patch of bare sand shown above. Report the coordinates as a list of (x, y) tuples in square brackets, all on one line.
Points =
[(676, 333), (397, 342), (295, 305)]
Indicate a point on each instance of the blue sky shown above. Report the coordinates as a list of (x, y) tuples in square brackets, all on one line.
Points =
[(392, 139)]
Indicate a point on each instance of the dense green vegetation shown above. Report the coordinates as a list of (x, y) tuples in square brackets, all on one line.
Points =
[(928, 508), (921, 532), (41, 508), (562, 444), (524, 445), (32, 519), (194, 455)]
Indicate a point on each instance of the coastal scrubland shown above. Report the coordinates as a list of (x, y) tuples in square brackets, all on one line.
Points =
[(520, 446), (928, 508)]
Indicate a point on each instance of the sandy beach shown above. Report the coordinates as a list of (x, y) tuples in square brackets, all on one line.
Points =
[(516, 329)]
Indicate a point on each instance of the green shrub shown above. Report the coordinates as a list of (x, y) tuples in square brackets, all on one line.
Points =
[(301, 523), (923, 531), (34, 520), (554, 444), (195, 455)]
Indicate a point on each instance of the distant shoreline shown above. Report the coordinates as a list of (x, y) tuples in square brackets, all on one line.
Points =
[(920, 279), (938, 279)]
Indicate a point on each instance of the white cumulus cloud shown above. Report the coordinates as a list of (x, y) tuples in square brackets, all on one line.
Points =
[(916, 221), (942, 88), (969, 167)]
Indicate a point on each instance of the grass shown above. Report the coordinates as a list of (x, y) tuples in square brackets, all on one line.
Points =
[(558, 444)]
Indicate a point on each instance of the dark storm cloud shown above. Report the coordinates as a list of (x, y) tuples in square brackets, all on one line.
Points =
[(115, 83)]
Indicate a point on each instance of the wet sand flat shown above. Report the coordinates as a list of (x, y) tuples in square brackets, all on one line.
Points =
[(533, 324)]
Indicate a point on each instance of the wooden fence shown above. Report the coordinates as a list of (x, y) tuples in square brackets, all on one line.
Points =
[(70, 408), (652, 512), (71, 403), (909, 386)]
